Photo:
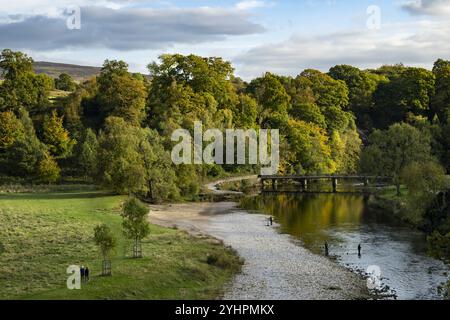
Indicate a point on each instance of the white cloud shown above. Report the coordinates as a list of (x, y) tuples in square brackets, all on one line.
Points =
[(252, 4), (415, 43), (127, 29), (428, 7)]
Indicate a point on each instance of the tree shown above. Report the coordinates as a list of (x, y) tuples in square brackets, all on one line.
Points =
[(391, 151), (361, 85), (424, 178), (65, 82), (88, 154), (80, 109), (132, 160), (135, 224), (120, 94), (308, 149), (409, 91), (441, 99), (49, 171), (425, 181), (203, 75), (10, 129), (309, 112), (21, 155), (120, 165), (159, 173), (56, 137), (21, 86), (330, 95), (105, 240), (273, 101), (246, 114), (185, 89), (346, 151)]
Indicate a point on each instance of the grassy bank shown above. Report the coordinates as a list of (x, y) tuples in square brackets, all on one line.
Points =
[(43, 233)]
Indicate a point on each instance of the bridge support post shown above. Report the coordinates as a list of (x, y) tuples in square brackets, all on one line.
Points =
[(304, 184), (366, 182), (335, 184)]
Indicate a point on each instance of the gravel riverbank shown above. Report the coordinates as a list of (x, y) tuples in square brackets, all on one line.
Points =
[(276, 266)]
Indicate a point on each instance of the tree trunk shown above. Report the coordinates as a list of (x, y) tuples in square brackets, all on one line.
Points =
[(399, 193), (150, 190)]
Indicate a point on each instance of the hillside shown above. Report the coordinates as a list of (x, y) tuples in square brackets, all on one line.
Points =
[(79, 73)]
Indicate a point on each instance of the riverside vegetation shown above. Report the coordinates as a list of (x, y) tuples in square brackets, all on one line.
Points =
[(114, 130)]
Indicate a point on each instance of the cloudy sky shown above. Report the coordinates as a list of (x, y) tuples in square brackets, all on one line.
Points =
[(282, 36)]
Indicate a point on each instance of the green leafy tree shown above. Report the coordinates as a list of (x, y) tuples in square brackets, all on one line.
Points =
[(21, 86), (56, 137), (330, 95), (309, 112), (410, 91), (105, 240), (80, 109), (308, 150), (346, 150), (441, 99), (88, 154), (10, 129), (202, 75), (135, 224), (132, 160), (22, 155), (120, 93), (361, 85), (391, 151), (120, 165), (185, 89), (273, 101), (159, 173), (65, 82), (424, 180), (245, 117)]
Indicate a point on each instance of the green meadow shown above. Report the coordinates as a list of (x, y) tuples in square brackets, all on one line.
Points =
[(41, 234)]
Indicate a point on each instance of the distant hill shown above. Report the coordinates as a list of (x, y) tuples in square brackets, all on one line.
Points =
[(78, 73)]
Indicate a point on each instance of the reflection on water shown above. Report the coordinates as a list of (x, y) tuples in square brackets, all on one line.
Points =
[(345, 221)]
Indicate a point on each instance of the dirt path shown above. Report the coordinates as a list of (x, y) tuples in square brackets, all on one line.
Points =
[(214, 186), (276, 266)]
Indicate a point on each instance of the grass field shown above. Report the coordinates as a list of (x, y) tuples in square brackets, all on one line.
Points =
[(43, 233)]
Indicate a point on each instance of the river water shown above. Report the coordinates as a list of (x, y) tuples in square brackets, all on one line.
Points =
[(345, 221)]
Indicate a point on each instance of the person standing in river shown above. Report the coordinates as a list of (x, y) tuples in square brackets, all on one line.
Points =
[(326, 249), (271, 221), (359, 250)]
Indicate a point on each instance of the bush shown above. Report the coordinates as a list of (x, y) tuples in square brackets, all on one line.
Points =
[(439, 245), (49, 172), (224, 260)]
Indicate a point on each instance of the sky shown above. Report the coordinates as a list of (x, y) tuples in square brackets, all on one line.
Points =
[(257, 36)]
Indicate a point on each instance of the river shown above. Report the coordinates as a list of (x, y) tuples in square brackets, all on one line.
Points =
[(345, 221)]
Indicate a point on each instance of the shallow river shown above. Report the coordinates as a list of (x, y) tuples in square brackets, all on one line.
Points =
[(345, 221)]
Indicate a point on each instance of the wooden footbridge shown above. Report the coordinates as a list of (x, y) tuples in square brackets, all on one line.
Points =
[(334, 180)]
